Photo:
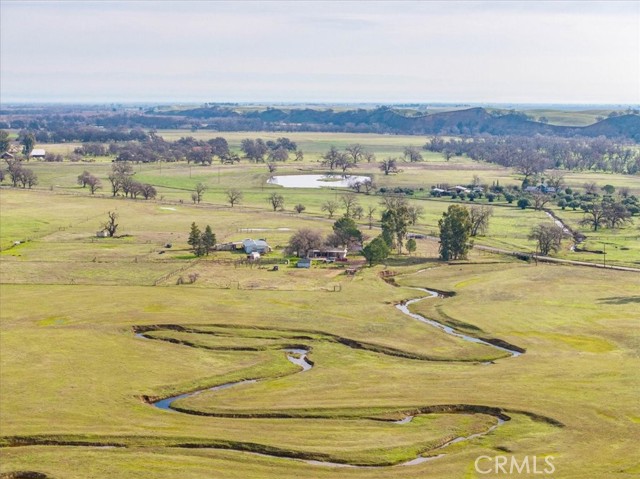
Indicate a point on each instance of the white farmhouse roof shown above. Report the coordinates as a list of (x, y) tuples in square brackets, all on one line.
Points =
[(37, 152)]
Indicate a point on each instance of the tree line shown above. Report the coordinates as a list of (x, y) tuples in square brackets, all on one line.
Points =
[(531, 156)]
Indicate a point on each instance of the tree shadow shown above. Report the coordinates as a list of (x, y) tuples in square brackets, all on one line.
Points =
[(620, 300)]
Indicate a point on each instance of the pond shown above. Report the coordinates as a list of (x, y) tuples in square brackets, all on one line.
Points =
[(315, 181)]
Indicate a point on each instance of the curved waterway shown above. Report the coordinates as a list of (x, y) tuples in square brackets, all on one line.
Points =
[(404, 307), (298, 356)]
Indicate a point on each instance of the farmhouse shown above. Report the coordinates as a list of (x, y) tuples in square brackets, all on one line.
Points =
[(257, 246), (328, 253), (6, 156), (37, 153)]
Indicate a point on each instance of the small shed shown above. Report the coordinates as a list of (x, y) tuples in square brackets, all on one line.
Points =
[(6, 156), (233, 246), (37, 153), (254, 256), (304, 263), (102, 234)]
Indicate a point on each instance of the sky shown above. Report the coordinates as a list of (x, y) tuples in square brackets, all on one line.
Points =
[(326, 51)]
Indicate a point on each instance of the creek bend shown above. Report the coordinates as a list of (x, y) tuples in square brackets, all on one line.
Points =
[(299, 357)]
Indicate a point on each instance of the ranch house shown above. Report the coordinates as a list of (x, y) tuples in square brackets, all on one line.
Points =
[(37, 153), (329, 253)]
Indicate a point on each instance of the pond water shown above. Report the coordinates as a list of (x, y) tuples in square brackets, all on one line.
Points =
[(315, 181)]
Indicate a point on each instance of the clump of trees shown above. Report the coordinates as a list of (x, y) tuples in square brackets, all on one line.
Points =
[(87, 179), (345, 234), (396, 218), (531, 156), (20, 175), (348, 159), (256, 150), (607, 213), (122, 181), (202, 243)]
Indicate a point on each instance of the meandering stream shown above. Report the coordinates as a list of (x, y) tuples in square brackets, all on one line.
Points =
[(404, 307), (298, 356)]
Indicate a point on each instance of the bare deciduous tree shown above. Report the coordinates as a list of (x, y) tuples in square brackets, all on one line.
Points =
[(200, 189), (276, 201), (303, 241), (390, 165), (330, 207), (548, 237), (110, 226), (412, 154), (479, 216), (540, 199), (234, 196), (349, 201), (371, 210)]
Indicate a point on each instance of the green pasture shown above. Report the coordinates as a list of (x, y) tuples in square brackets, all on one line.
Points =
[(73, 371), (578, 330), (175, 182)]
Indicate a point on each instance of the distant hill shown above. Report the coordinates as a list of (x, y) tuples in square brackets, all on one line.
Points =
[(627, 126), (387, 120)]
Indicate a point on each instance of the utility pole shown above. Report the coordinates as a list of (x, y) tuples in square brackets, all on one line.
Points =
[(604, 255)]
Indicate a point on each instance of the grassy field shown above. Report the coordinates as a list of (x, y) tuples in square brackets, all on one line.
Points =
[(509, 229), (76, 381)]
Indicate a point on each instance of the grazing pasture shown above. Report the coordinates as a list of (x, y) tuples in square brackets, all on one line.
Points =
[(95, 330)]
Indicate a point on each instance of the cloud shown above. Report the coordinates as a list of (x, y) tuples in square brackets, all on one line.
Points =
[(414, 51)]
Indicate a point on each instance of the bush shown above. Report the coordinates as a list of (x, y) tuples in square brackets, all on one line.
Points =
[(523, 203)]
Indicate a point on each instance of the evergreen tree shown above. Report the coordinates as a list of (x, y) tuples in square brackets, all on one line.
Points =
[(345, 233), (208, 240), (195, 240), (377, 250), (455, 228)]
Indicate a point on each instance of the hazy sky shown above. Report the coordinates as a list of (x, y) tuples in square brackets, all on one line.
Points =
[(360, 51)]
